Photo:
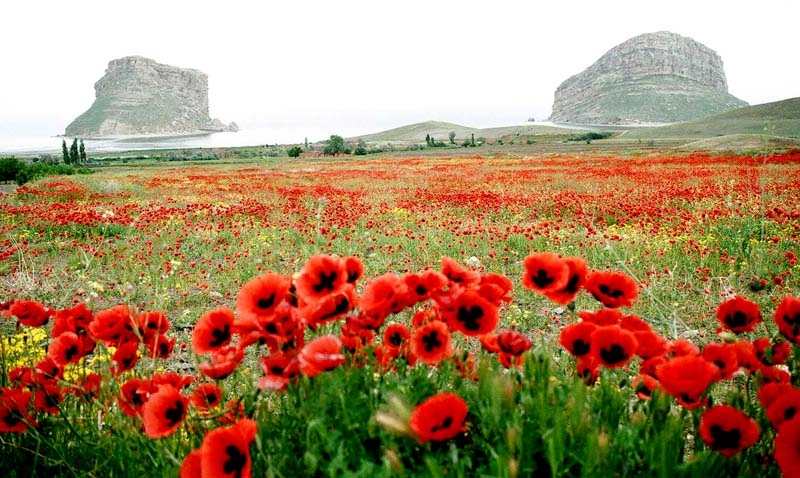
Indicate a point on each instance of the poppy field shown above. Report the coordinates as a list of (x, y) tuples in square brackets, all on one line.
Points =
[(554, 315)]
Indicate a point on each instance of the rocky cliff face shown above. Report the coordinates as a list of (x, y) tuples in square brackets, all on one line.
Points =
[(652, 78), (138, 96)]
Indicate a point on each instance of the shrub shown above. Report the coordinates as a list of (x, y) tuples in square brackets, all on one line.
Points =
[(9, 168)]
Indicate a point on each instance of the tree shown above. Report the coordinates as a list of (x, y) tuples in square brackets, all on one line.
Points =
[(294, 151), (452, 136), (65, 151), (361, 148), (82, 151), (9, 167), (73, 152), (336, 145), (428, 139)]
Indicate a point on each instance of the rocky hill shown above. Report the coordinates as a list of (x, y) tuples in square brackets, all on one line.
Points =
[(138, 96), (652, 78)]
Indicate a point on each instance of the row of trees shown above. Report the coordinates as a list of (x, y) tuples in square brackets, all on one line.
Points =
[(76, 153)]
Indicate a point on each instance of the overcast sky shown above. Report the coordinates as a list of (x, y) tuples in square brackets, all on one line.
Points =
[(373, 64)]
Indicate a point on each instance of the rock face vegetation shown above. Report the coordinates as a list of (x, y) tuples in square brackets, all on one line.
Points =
[(138, 96), (652, 78)]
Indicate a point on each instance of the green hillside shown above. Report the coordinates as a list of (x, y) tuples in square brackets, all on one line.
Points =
[(415, 133), (780, 118)]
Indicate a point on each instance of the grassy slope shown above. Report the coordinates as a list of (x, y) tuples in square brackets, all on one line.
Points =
[(780, 118), (415, 133)]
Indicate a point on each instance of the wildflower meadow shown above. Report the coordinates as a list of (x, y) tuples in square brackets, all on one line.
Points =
[(503, 316)]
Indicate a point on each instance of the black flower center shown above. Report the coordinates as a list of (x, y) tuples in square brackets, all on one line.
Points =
[(266, 302), (737, 319), (220, 336), (725, 439), (613, 293), (431, 341), (175, 414), (446, 423), (541, 279), (396, 339), (326, 281), (613, 355), (71, 352), (470, 317), (235, 462), (580, 347)]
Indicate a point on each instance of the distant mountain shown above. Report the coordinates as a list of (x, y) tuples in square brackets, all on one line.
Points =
[(138, 96), (779, 118), (652, 78), (415, 133)]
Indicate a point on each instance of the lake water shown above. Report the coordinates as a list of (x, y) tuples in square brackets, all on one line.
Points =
[(245, 137)]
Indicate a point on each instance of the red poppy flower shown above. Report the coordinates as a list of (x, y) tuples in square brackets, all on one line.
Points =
[(774, 373), (784, 408), (354, 337), (724, 357), (279, 369), (495, 288), (457, 274), (545, 272), (14, 411), (682, 347), (259, 296), (738, 315), (651, 365), (602, 317), (329, 308), (578, 269), (114, 326), (576, 338), (645, 385), (469, 313), (74, 319), (787, 448), (133, 395), (419, 287), (160, 346), (439, 418), (29, 313), (431, 343), (465, 365), (509, 361), (172, 378), (396, 335), (47, 370), (512, 342), (687, 378), (47, 397), (223, 362), (225, 451), (192, 465), (588, 368), (769, 353), (206, 396), (787, 316), (354, 268), (383, 295), (66, 348), (321, 275), (612, 289), (125, 358), (634, 323), (213, 330), (152, 324), (320, 355), (650, 344), (613, 346), (769, 392), (489, 343), (164, 412), (746, 356), (88, 386), (727, 430)]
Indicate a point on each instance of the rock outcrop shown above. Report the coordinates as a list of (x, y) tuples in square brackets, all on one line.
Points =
[(652, 78), (138, 96)]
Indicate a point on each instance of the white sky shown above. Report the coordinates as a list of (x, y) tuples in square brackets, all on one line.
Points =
[(370, 64)]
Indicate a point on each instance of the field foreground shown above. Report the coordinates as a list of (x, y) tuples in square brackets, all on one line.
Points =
[(462, 316)]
